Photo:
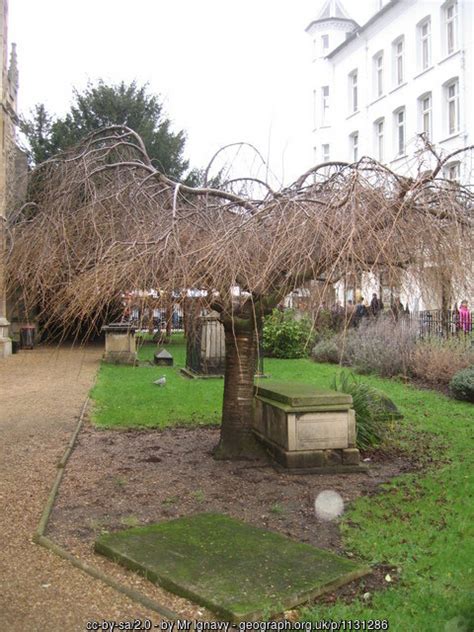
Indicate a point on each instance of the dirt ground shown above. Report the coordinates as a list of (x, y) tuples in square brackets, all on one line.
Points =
[(118, 479)]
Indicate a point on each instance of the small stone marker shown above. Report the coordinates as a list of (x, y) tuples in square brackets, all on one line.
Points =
[(163, 358), (240, 572)]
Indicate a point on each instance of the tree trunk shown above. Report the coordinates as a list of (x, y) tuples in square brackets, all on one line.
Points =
[(237, 440)]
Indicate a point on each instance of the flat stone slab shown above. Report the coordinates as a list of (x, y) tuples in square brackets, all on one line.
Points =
[(297, 395), (240, 572)]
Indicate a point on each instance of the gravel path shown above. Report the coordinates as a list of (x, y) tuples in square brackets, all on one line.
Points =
[(41, 395)]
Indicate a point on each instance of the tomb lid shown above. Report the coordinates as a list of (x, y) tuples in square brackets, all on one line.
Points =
[(164, 355), (119, 328), (299, 394)]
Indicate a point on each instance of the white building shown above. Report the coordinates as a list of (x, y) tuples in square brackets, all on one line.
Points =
[(376, 87)]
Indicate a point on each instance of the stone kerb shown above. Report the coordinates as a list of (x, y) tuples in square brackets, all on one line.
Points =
[(306, 428)]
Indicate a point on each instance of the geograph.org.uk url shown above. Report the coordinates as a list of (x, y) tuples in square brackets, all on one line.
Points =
[(185, 625)]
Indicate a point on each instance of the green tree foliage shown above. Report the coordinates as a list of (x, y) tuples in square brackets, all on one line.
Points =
[(101, 105), (286, 337)]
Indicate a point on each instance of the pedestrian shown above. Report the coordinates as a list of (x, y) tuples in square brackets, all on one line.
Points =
[(465, 319), (361, 311), (376, 305)]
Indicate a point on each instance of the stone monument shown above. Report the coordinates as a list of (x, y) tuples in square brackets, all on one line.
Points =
[(306, 428), (120, 344)]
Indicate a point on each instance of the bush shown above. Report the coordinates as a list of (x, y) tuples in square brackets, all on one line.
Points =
[(383, 346), (436, 361), (462, 385), (284, 336), (328, 350), (373, 409)]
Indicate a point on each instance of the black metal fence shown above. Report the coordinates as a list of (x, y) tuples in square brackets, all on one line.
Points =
[(443, 323)]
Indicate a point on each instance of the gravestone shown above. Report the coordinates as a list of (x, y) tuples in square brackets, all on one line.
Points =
[(240, 572), (205, 347), (306, 428), (120, 344)]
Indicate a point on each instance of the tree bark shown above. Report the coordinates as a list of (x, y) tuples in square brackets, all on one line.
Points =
[(237, 440)]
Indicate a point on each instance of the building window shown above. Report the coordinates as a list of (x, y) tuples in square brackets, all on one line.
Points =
[(424, 33), (452, 102), (353, 92), (315, 118), (324, 105), (452, 171), (325, 152), (325, 42), (354, 138), (451, 25), (399, 117), (378, 74), (379, 134), (398, 55), (426, 115)]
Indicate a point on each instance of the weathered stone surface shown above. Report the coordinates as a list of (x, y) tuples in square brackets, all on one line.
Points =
[(296, 394), (351, 456), (321, 431), (120, 344), (163, 358), (240, 572)]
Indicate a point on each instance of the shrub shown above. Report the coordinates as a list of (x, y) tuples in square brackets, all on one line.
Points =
[(373, 409), (284, 336), (383, 346), (436, 361), (462, 385), (328, 350)]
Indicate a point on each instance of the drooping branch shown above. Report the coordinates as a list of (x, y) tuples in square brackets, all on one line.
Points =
[(105, 221)]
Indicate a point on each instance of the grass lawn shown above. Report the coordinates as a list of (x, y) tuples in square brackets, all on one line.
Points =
[(421, 523)]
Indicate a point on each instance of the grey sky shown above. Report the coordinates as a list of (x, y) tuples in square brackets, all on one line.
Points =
[(227, 71)]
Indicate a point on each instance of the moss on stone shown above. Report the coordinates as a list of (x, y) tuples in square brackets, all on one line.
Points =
[(236, 570)]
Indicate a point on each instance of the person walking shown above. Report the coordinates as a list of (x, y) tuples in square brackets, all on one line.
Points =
[(376, 305), (465, 319)]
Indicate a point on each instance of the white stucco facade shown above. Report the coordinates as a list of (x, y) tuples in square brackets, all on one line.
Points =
[(377, 87)]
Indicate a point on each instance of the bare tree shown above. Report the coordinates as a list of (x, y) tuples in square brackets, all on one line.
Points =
[(106, 221)]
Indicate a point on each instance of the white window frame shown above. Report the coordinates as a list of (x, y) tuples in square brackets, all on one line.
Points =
[(325, 152), (452, 171), (399, 60), (450, 11), (399, 117), (452, 106), (354, 91), (354, 139), (379, 132), (324, 105), (426, 114), (324, 42), (424, 36), (378, 74)]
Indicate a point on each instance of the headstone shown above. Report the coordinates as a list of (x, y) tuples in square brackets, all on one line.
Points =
[(163, 358)]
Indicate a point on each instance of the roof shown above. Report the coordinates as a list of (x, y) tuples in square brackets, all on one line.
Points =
[(333, 10), (361, 29)]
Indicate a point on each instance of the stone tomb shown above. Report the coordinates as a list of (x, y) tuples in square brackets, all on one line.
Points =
[(240, 572), (120, 344), (306, 428)]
